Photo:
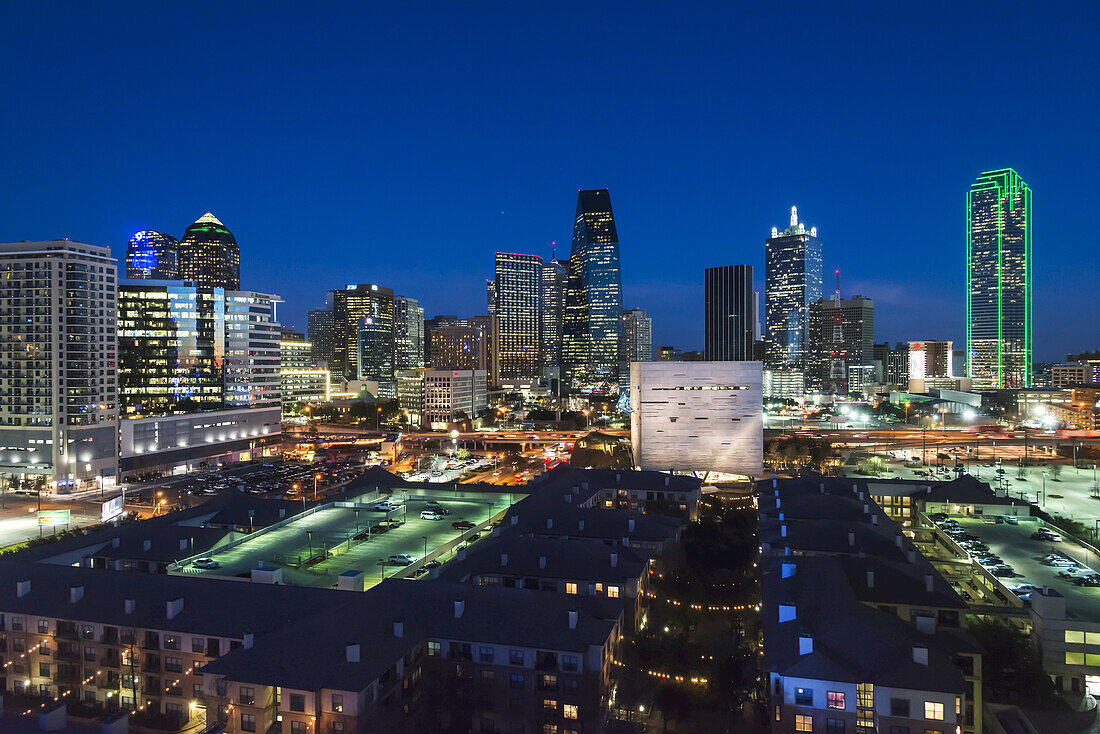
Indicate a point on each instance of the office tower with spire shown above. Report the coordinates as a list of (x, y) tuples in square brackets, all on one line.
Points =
[(152, 255), (842, 344), (518, 316), (792, 281), (729, 313), (209, 255), (998, 281), (594, 295), (555, 277)]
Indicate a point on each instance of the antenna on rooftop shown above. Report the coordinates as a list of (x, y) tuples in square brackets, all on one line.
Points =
[(836, 296)]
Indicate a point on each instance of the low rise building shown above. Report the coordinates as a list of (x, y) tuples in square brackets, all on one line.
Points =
[(449, 393)]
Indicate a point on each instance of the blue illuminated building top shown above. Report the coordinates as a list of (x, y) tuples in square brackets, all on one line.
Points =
[(152, 255)]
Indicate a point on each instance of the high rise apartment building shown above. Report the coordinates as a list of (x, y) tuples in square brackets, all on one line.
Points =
[(637, 338), (594, 295), (152, 255), (58, 355), (209, 254), (555, 278), (519, 316), (729, 313), (367, 307), (408, 333), (998, 281), (792, 281), (320, 330), (841, 338)]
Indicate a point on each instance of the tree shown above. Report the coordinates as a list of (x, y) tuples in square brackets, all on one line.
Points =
[(673, 703), (1055, 470), (1011, 667)]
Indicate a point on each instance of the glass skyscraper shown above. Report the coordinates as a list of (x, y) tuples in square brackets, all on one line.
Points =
[(209, 255), (555, 278), (594, 295), (363, 312), (792, 281), (998, 281), (519, 315), (408, 333), (729, 313), (152, 255)]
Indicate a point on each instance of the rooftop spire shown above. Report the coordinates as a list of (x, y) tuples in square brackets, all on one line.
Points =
[(794, 216)]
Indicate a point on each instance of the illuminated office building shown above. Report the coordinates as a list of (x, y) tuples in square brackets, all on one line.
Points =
[(152, 255), (58, 348), (251, 350), (321, 335), (459, 348), (519, 316), (931, 359), (841, 344), (594, 295), (408, 333), (351, 308), (792, 281), (998, 281), (555, 278), (729, 313), (209, 255), (301, 381)]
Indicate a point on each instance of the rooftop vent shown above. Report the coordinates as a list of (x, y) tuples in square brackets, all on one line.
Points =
[(786, 570), (787, 612), (504, 559), (614, 559), (870, 579), (76, 593), (572, 619), (398, 628), (175, 606), (920, 654), (351, 653), (460, 607), (129, 606), (805, 644), (22, 588)]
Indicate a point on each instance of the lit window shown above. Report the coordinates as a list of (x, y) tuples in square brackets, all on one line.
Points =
[(1073, 636), (570, 711), (549, 704), (1075, 658), (933, 710), (433, 648), (570, 587), (835, 699), (613, 592), (803, 722)]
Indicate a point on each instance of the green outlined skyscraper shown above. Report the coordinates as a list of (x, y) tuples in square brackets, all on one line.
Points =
[(998, 281)]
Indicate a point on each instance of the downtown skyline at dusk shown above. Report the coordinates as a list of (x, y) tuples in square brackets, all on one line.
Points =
[(388, 150)]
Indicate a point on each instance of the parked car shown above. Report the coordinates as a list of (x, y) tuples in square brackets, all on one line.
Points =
[(462, 525), (206, 563), (431, 515), (401, 559), (1092, 580), (1012, 520), (1003, 570)]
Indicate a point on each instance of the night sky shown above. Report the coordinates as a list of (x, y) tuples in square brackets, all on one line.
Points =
[(405, 144)]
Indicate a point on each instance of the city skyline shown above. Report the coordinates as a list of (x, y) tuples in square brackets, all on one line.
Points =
[(461, 176)]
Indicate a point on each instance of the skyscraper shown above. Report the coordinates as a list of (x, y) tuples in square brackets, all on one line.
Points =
[(730, 313), (792, 281), (841, 338), (152, 255), (322, 337), (459, 348), (998, 281), (519, 315), (637, 338), (895, 363), (350, 307), (555, 276), (594, 294), (58, 349), (252, 377), (209, 255), (408, 333)]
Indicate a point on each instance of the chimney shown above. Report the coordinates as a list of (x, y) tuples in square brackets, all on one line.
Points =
[(175, 606), (786, 570), (783, 530), (282, 512), (183, 543), (821, 486), (851, 538), (926, 624), (22, 588), (920, 654), (870, 579), (129, 606), (460, 607), (805, 644), (398, 628), (897, 540), (115, 542), (549, 523), (626, 541), (928, 582), (515, 519), (569, 499), (618, 477), (504, 559), (76, 593), (580, 525), (666, 480), (874, 519), (146, 544), (572, 619), (542, 561), (351, 653), (249, 640), (912, 556), (866, 509), (630, 525), (614, 559)]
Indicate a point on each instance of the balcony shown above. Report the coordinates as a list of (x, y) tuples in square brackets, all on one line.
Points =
[(109, 662), (71, 654)]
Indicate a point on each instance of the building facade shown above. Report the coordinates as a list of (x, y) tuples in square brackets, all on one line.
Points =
[(729, 313), (792, 281), (320, 330), (301, 381), (894, 361), (152, 255), (518, 315), (841, 338), (930, 359), (998, 281), (58, 353), (449, 393), (594, 295), (637, 338), (459, 347), (252, 376), (408, 333), (350, 309), (555, 279), (209, 255), (698, 416)]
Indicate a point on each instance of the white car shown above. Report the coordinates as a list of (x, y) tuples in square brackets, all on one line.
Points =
[(402, 559), (207, 563), (431, 515), (387, 507)]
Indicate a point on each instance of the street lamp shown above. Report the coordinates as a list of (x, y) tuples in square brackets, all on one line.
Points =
[(1044, 499), (425, 539), (316, 478)]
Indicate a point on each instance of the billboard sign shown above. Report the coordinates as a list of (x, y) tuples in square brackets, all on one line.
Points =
[(53, 517), (111, 509)]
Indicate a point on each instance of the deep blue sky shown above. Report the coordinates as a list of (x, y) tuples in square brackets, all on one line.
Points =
[(405, 143)]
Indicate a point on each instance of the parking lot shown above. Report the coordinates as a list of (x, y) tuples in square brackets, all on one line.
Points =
[(1015, 546), (315, 547)]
